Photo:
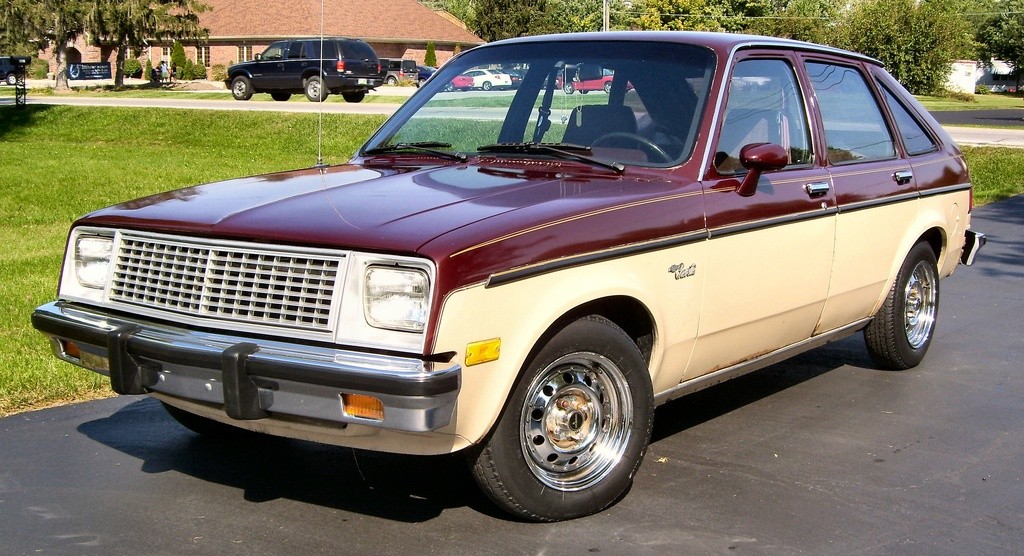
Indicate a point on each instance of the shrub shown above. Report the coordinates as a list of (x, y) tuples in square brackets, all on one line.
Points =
[(132, 68), (982, 90), (38, 69), (958, 95), (219, 72), (178, 58), (430, 59)]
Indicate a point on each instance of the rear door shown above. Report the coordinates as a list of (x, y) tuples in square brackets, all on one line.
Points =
[(770, 254), (875, 188)]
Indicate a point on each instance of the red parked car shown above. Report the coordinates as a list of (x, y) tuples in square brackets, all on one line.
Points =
[(459, 83), (584, 84), (523, 280)]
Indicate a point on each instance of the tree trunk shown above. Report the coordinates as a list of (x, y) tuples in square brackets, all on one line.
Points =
[(59, 50), (119, 66)]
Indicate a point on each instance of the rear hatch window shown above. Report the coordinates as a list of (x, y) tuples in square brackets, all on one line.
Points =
[(359, 57)]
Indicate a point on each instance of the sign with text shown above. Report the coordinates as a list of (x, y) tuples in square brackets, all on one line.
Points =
[(97, 70)]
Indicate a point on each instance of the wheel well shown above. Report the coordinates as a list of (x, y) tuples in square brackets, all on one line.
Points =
[(936, 239), (627, 313)]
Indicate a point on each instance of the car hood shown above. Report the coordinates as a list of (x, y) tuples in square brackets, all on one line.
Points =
[(384, 208)]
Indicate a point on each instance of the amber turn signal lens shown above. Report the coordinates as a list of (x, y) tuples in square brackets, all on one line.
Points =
[(366, 407), (483, 352)]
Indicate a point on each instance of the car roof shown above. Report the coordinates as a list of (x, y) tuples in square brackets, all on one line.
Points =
[(722, 42)]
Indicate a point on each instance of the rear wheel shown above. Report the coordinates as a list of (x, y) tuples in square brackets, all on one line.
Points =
[(280, 97), (899, 335), (354, 96), (391, 80), (568, 88), (314, 89), (241, 88), (12, 79), (575, 429), (486, 86), (608, 86)]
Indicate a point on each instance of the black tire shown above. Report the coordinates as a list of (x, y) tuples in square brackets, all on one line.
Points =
[(568, 88), (575, 429), (241, 88), (314, 89), (899, 335), (354, 96), (449, 88), (204, 426), (391, 80), (608, 86), (584, 91), (280, 97), (486, 86), (11, 79)]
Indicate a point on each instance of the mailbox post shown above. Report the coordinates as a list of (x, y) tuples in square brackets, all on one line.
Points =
[(21, 64)]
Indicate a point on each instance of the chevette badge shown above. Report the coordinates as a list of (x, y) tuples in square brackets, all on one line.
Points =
[(681, 271)]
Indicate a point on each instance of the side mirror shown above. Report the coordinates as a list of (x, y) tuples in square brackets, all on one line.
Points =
[(257, 57), (758, 158)]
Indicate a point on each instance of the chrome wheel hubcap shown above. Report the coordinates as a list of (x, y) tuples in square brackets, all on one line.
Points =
[(576, 421), (920, 304)]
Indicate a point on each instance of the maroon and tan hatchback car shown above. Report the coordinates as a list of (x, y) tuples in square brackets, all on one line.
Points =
[(522, 276)]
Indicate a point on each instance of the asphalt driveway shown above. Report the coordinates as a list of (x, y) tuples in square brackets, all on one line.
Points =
[(822, 454)]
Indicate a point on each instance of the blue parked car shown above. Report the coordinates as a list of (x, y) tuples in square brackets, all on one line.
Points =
[(424, 73)]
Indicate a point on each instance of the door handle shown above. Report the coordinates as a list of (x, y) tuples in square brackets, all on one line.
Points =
[(817, 189), (903, 177)]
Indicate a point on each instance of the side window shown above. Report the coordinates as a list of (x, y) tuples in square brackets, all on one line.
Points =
[(765, 106), (295, 51), (854, 127), (914, 136), (275, 51)]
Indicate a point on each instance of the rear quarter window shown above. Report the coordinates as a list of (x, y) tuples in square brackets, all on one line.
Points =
[(915, 138), (855, 130)]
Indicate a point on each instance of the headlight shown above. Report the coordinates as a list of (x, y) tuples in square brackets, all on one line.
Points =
[(396, 298), (92, 260)]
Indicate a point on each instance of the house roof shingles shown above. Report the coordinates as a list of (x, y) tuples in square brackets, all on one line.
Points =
[(378, 21)]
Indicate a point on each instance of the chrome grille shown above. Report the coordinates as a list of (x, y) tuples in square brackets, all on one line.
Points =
[(260, 285)]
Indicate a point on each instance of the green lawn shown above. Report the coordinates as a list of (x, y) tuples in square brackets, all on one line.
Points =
[(994, 101), (59, 162)]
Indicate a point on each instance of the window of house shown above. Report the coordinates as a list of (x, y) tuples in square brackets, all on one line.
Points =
[(165, 53), (854, 127), (203, 55), (244, 53), (765, 106)]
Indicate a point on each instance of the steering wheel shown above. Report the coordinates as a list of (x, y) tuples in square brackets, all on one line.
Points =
[(649, 147)]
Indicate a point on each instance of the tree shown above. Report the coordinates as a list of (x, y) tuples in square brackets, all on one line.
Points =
[(129, 24), (917, 41), (577, 16), (503, 19), (14, 37), (430, 58), (700, 15), (804, 20), (1003, 36)]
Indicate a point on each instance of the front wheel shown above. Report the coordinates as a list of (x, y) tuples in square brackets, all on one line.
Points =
[(486, 86), (576, 427), (241, 88), (314, 88), (899, 335), (12, 79)]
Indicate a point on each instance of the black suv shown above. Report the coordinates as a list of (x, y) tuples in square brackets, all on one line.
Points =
[(348, 67), (7, 70)]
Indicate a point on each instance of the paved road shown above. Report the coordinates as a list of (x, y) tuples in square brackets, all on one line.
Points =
[(823, 454)]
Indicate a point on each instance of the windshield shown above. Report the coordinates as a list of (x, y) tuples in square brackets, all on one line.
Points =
[(625, 102)]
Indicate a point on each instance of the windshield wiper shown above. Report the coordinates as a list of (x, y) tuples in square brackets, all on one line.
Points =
[(564, 150), (427, 147)]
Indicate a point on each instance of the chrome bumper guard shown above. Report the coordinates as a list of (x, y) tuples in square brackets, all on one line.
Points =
[(973, 242), (252, 378)]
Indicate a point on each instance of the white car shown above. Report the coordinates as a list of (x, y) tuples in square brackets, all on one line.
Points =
[(489, 79)]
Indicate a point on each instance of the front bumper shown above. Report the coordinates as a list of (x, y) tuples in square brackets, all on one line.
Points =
[(252, 378)]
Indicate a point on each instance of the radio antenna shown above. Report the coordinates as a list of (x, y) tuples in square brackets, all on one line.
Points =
[(321, 97)]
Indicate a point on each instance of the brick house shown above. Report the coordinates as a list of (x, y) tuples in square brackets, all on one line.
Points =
[(239, 29)]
